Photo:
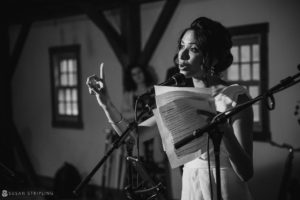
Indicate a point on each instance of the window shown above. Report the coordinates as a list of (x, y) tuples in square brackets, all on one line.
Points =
[(250, 69), (65, 76)]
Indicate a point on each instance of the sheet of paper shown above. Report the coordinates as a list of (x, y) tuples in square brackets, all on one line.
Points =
[(180, 111)]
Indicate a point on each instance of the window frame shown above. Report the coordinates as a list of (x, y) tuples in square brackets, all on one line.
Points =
[(64, 121), (261, 29)]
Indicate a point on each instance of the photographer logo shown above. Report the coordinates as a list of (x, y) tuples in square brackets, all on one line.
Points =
[(4, 193)]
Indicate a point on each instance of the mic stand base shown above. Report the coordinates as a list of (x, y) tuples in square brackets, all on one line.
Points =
[(152, 191)]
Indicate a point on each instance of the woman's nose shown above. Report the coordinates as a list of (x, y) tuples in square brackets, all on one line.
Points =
[(184, 54)]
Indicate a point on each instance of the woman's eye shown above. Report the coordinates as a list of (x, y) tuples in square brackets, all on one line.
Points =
[(180, 46), (194, 50)]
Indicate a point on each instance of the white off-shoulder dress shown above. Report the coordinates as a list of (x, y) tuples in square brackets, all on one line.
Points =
[(195, 179)]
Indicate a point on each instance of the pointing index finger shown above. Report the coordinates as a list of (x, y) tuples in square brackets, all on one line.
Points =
[(101, 71), (101, 75)]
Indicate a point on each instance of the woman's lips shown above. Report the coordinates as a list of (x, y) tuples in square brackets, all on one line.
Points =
[(183, 66)]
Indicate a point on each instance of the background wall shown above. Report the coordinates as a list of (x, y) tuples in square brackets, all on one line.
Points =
[(50, 147)]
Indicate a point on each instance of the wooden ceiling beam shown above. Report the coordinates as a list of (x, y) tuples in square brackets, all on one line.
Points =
[(113, 37), (10, 138), (131, 31), (158, 30), (14, 58), (18, 11)]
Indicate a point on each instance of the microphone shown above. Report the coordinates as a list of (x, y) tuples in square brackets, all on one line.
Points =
[(176, 80)]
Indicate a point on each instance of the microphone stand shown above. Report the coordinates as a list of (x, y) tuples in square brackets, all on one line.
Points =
[(133, 162), (284, 191), (216, 135), (177, 79), (132, 126)]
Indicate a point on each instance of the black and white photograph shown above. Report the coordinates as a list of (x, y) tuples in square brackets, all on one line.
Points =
[(150, 100)]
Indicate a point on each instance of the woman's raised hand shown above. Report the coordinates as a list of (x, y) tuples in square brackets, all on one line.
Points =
[(97, 86)]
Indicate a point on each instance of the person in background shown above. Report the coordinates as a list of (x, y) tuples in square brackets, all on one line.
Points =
[(137, 81), (203, 54)]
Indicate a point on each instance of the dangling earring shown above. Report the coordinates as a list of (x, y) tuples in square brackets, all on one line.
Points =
[(212, 71), (206, 71), (205, 67)]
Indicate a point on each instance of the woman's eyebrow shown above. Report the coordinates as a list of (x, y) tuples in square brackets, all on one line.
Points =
[(182, 42)]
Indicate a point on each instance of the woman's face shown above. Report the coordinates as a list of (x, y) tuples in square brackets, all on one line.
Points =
[(190, 57), (137, 75)]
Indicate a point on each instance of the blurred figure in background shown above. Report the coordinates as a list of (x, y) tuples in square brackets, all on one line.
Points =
[(137, 81)]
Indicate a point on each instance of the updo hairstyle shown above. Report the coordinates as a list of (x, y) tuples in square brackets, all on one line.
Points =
[(214, 40)]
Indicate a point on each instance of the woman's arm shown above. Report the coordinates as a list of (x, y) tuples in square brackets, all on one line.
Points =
[(115, 118), (238, 141), (97, 86)]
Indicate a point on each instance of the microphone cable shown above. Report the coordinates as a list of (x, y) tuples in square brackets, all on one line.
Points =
[(138, 136), (136, 121), (209, 168)]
